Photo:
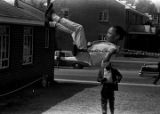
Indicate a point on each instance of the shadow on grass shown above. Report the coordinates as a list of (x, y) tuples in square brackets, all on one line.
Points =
[(36, 100)]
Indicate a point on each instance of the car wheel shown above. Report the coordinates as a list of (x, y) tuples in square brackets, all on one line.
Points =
[(76, 65)]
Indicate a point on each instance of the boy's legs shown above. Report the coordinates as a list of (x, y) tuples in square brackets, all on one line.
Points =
[(104, 107), (104, 100), (111, 102)]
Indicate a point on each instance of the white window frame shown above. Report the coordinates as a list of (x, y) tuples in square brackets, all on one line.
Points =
[(4, 47), (47, 38), (28, 46), (64, 12), (104, 16), (102, 36)]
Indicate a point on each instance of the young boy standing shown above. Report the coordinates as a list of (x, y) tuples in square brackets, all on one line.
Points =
[(109, 78)]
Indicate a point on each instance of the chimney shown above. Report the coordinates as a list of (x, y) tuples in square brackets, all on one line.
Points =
[(16, 3), (48, 2)]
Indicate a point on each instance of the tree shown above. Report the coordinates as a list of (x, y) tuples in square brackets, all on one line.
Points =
[(131, 2), (146, 6)]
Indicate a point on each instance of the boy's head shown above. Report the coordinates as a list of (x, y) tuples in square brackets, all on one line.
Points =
[(107, 65)]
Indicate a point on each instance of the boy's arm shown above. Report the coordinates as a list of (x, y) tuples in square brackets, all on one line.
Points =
[(119, 75), (100, 75)]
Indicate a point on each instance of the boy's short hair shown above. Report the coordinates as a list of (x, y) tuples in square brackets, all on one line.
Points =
[(109, 66)]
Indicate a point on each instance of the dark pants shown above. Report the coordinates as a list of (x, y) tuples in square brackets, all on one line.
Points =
[(107, 95)]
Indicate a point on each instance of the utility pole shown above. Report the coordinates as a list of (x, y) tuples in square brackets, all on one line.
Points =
[(48, 2), (16, 3), (50, 64)]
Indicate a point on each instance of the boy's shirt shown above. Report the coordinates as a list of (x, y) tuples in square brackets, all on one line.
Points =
[(115, 74)]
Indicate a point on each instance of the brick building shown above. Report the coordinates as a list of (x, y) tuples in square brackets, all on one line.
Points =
[(26, 46)]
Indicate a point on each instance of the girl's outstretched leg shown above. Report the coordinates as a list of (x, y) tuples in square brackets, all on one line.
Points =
[(78, 34)]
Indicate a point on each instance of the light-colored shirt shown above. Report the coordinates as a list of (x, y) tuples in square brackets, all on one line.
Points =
[(108, 75)]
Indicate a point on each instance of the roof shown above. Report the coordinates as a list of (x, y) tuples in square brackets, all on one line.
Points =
[(128, 7), (31, 10), (24, 14)]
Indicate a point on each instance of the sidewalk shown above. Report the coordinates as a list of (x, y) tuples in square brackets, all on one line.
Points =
[(126, 102), (76, 98)]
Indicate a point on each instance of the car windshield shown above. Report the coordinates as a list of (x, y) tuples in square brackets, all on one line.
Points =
[(68, 54)]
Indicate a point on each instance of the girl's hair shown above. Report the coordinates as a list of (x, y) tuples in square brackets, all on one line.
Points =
[(120, 31)]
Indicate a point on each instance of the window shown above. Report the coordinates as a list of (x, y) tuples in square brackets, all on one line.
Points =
[(102, 36), (4, 46), (47, 38), (139, 19), (104, 16), (65, 12), (132, 18), (28, 46), (155, 19)]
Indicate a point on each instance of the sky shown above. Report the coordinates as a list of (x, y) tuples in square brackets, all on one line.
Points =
[(10, 1), (156, 2)]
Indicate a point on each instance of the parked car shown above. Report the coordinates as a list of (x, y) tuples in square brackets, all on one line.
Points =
[(150, 69), (66, 58)]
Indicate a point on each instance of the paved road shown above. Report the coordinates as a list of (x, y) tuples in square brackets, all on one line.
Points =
[(129, 76)]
